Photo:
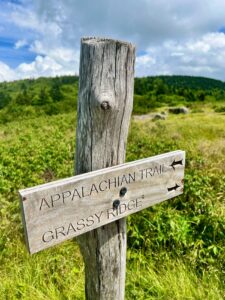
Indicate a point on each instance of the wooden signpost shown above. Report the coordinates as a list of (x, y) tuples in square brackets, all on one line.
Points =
[(93, 205), (57, 211)]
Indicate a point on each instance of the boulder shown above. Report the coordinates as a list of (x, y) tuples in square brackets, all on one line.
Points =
[(179, 110), (159, 116)]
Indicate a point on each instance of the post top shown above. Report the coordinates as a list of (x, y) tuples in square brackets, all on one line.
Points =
[(94, 40)]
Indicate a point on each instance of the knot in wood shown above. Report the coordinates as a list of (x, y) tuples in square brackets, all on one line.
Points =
[(105, 105)]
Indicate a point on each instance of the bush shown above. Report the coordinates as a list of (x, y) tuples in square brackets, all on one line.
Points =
[(220, 109)]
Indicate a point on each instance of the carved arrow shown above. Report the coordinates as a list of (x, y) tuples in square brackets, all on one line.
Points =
[(173, 188), (174, 163)]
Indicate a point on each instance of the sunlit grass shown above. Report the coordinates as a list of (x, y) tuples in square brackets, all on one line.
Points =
[(175, 249), (171, 281)]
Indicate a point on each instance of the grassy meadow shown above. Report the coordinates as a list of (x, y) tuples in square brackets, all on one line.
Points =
[(176, 249)]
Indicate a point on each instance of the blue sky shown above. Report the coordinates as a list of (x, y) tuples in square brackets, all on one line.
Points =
[(12, 56), (42, 37)]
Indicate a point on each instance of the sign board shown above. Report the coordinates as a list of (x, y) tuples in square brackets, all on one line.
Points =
[(60, 210)]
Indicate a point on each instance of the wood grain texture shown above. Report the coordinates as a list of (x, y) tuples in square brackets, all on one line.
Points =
[(104, 110), (60, 210)]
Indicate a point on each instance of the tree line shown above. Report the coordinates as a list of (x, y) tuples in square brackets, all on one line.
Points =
[(149, 92)]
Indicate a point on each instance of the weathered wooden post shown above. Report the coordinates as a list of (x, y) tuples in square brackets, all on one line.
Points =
[(104, 110)]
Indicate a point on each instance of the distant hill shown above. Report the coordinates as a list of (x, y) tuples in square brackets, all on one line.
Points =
[(193, 82), (178, 82), (50, 96)]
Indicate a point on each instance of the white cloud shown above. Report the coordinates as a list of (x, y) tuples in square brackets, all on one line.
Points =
[(177, 37), (203, 56), (59, 53), (6, 73), (20, 44), (43, 66), (145, 22)]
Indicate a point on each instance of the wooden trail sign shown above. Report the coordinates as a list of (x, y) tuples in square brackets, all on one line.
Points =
[(60, 210)]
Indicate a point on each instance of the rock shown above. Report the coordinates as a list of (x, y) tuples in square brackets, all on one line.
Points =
[(179, 110), (151, 116), (159, 116)]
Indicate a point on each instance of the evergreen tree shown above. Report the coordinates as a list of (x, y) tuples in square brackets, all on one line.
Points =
[(55, 91), (4, 99), (159, 87), (43, 97), (23, 98)]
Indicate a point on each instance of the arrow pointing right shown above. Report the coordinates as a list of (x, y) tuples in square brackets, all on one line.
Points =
[(173, 188)]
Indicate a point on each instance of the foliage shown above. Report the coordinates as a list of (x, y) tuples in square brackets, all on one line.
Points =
[(52, 96), (220, 109), (175, 249), (189, 228), (179, 82), (158, 91), (55, 91), (5, 99)]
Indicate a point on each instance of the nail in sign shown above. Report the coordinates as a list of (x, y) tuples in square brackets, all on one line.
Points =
[(60, 210)]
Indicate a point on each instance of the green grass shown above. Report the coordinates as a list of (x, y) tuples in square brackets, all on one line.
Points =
[(173, 281), (175, 249)]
